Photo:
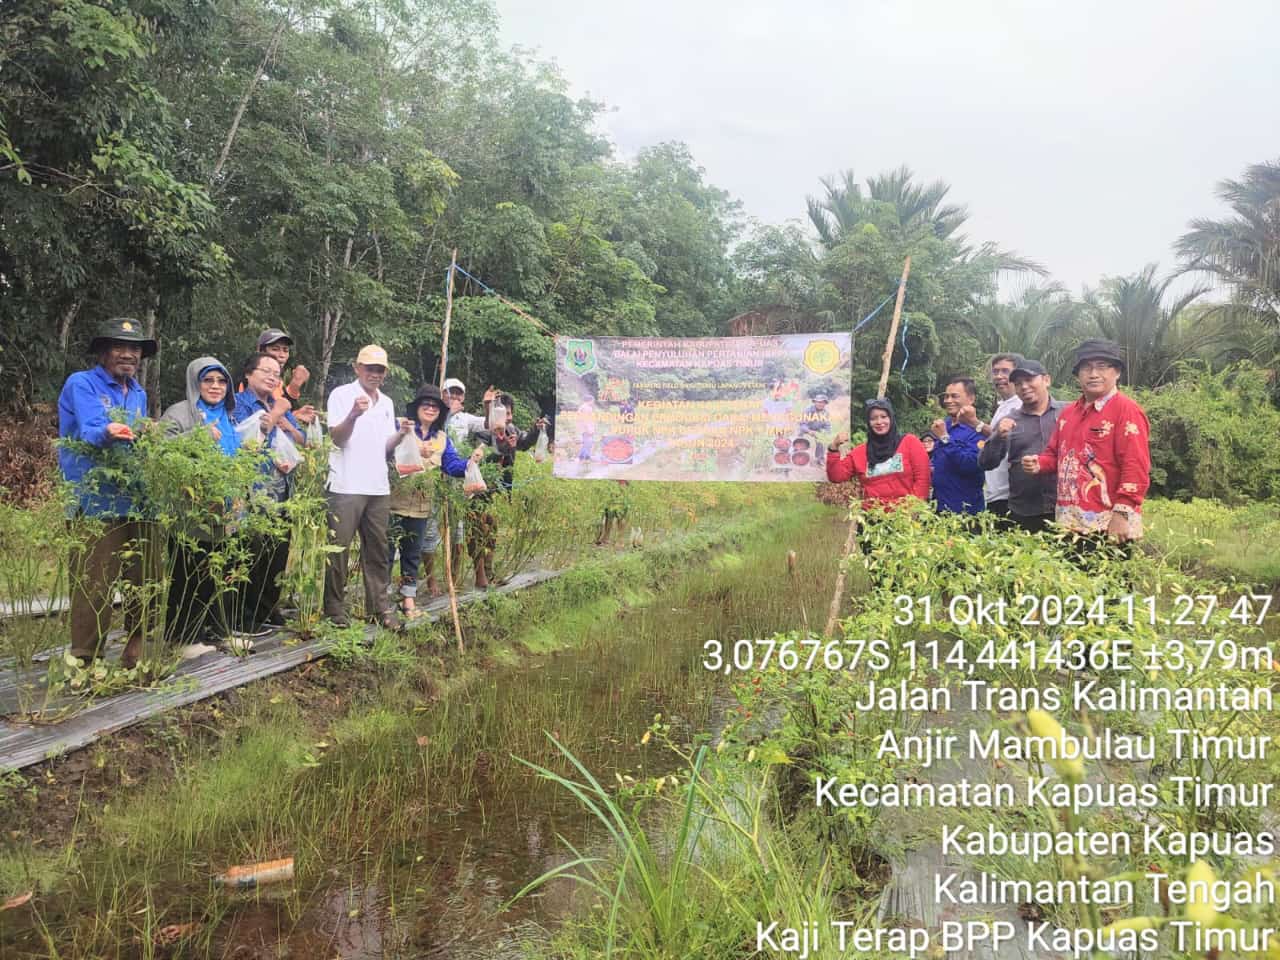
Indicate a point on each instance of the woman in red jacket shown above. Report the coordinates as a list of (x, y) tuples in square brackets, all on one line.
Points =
[(889, 466)]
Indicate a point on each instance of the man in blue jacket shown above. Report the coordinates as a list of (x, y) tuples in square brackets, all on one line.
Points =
[(957, 478), (100, 408)]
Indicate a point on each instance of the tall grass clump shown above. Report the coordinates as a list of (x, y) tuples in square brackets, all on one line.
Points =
[(697, 860)]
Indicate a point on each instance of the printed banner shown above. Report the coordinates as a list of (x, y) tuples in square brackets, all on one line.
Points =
[(730, 408)]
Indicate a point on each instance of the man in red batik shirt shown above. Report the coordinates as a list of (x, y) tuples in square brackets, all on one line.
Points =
[(1099, 450)]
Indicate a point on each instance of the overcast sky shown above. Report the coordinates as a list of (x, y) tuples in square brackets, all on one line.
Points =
[(1084, 134)]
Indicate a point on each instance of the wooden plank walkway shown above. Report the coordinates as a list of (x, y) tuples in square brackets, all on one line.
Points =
[(25, 743)]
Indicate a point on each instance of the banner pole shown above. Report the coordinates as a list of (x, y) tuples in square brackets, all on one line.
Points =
[(855, 508), (893, 330), (448, 519)]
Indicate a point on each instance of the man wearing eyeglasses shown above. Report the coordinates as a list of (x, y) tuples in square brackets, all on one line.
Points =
[(1101, 452)]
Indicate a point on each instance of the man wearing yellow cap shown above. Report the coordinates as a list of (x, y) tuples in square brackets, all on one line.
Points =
[(365, 431)]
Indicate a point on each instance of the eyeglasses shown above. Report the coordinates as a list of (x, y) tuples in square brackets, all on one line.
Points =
[(267, 374), (214, 381), (1092, 366), (374, 368)]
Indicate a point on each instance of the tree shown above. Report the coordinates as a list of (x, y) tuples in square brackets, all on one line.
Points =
[(1243, 251), (1043, 323), (1133, 312), (96, 214)]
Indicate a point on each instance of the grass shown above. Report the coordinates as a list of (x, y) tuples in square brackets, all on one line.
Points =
[(357, 791), (1237, 542), (696, 878)]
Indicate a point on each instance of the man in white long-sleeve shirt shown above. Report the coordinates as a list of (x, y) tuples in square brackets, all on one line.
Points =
[(995, 485)]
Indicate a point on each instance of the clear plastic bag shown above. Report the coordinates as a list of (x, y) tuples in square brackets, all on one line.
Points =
[(249, 430), (315, 432), (284, 452), (497, 416), (473, 480), (540, 448), (408, 455)]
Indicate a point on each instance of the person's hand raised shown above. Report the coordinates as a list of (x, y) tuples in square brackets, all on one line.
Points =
[(1031, 464), (1006, 426), (939, 428)]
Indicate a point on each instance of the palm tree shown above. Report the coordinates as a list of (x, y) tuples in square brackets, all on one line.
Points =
[(839, 211), (918, 207), (1043, 323), (1154, 335), (1243, 251)]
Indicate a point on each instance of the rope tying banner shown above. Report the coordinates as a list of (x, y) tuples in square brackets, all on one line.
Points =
[(492, 292)]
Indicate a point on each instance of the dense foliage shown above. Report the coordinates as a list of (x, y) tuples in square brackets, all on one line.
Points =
[(214, 167), (1215, 435)]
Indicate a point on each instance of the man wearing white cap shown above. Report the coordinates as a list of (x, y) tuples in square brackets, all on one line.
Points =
[(365, 431)]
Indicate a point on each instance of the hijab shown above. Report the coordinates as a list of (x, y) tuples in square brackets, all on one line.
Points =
[(217, 414), (881, 447)]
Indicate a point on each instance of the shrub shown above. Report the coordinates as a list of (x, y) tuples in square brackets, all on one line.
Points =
[(1214, 435)]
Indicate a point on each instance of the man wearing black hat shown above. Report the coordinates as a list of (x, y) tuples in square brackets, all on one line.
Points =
[(101, 407), (1022, 431), (1100, 451)]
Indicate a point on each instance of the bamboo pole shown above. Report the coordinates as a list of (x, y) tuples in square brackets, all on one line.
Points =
[(448, 520), (855, 508), (893, 330)]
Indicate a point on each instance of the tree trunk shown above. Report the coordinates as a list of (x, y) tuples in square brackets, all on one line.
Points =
[(64, 330), (244, 100)]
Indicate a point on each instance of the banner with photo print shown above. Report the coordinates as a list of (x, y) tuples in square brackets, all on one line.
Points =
[(726, 408)]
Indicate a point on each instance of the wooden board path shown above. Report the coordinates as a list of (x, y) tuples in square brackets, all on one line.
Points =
[(23, 743)]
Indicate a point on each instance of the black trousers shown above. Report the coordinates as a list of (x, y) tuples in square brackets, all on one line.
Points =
[(193, 608), (262, 593), (1033, 524)]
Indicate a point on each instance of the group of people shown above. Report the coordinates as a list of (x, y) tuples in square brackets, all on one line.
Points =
[(104, 407), (1084, 466)]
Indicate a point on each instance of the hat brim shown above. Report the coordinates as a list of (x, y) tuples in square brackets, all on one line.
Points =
[(149, 347), (267, 343)]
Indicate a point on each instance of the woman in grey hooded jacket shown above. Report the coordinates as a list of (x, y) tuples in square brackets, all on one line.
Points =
[(195, 611)]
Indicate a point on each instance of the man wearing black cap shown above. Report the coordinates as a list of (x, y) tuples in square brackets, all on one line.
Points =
[(1025, 430), (101, 407), (278, 344), (1100, 451)]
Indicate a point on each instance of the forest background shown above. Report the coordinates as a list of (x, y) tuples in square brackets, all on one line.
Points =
[(215, 167)]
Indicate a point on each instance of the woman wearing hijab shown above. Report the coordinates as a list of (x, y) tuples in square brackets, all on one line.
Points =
[(191, 599), (889, 466)]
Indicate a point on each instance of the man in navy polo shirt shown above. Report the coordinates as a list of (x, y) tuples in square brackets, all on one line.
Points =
[(957, 478), (101, 408)]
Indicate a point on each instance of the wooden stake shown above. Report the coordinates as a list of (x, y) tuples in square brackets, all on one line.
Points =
[(856, 507), (893, 330), (448, 520), (448, 316)]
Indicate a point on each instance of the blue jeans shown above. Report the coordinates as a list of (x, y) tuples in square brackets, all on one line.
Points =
[(414, 536)]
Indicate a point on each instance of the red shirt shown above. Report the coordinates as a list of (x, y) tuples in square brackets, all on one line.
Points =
[(1103, 460), (905, 474)]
